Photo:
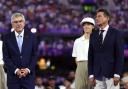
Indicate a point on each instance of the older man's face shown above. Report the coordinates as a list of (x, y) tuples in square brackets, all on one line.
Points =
[(18, 24)]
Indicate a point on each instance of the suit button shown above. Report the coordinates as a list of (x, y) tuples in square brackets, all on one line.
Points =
[(21, 57)]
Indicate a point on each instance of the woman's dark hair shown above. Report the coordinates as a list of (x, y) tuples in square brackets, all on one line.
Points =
[(92, 29)]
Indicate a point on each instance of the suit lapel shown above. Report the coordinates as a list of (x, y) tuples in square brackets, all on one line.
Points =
[(97, 36), (14, 41), (106, 39), (25, 41)]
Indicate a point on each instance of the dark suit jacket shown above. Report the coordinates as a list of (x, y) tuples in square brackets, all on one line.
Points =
[(108, 59), (14, 59)]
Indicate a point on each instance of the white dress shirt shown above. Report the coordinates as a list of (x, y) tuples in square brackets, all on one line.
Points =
[(80, 49), (21, 34)]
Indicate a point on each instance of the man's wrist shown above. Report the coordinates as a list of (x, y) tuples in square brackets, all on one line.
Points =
[(116, 75), (28, 70), (17, 69), (91, 76)]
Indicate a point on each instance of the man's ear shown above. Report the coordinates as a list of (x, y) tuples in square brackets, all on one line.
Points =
[(108, 18)]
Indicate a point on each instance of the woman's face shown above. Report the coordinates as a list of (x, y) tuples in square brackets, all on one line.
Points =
[(88, 28)]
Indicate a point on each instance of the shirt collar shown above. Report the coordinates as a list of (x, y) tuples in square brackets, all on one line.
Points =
[(106, 28), (83, 38), (21, 34)]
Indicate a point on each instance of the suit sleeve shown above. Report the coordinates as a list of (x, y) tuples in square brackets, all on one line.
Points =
[(33, 54), (6, 56), (119, 53), (90, 57)]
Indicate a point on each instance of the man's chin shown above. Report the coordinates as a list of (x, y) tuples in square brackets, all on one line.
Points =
[(19, 31), (99, 25)]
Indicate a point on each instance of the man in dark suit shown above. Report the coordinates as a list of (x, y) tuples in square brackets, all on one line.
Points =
[(105, 54), (19, 55)]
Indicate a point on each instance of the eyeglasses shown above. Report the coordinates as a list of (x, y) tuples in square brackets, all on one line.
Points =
[(20, 21)]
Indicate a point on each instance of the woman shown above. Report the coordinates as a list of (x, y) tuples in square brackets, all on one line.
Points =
[(80, 52), (2, 73)]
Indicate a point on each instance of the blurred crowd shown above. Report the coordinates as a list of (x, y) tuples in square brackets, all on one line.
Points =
[(61, 16), (56, 82), (55, 47)]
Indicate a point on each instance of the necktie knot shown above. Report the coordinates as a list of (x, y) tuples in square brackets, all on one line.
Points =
[(101, 31), (19, 36)]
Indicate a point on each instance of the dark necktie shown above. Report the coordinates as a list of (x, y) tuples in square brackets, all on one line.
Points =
[(101, 38)]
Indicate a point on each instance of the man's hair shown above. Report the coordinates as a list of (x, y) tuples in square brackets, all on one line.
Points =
[(106, 13), (17, 14)]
